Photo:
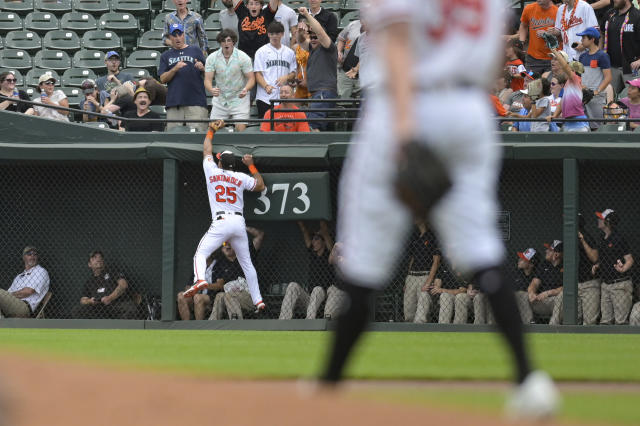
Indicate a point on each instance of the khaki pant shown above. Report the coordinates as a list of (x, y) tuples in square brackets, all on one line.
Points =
[(11, 306), (412, 290), (524, 307), (615, 302), (481, 310), (551, 306), (425, 300), (336, 300), (186, 113), (346, 85), (447, 306), (589, 301), (238, 302), (634, 318), (219, 307), (295, 297)]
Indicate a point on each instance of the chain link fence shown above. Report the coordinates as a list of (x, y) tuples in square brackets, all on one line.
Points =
[(65, 211)]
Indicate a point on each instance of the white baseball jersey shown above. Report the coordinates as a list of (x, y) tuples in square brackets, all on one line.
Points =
[(454, 41), (273, 63), (225, 187), (572, 22), (36, 278)]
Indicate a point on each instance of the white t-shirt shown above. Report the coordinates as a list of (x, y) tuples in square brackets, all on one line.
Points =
[(228, 20), (56, 97), (36, 278), (441, 39), (583, 18), (288, 18), (273, 63), (225, 187)]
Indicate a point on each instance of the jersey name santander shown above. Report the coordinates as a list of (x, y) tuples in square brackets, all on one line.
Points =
[(453, 42), (225, 188)]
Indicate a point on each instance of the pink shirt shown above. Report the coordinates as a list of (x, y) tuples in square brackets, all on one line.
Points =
[(572, 98)]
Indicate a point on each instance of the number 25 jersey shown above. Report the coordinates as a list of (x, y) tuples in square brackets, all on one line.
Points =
[(225, 187)]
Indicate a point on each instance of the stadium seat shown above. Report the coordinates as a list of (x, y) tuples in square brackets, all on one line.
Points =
[(167, 5), (41, 22), (158, 21), (66, 40), (125, 24), (17, 59), (334, 5), (17, 73), (91, 59), (152, 40), (621, 127), (159, 109), (97, 124), (1, 43), (74, 94), (31, 79), (213, 22), (80, 22), (349, 17), (637, 129), (101, 40), (20, 7), (9, 21), (295, 4), (213, 45), (26, 40), (138, 8), (58, 7), (147, 59), (57, 60), (211, 36), (137, 73), (75, 76), (94, 7), (624, 92), (182, 129), (350, 5)]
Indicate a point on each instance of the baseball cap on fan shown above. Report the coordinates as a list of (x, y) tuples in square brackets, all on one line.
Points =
[(227, 159), (176, 27), (527, 254), (88, 86), (556, 245), (603, 214)]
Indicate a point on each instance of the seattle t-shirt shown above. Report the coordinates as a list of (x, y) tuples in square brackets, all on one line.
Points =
[(186, 88)]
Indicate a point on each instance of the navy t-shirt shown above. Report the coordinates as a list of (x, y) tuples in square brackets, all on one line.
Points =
[(186, 88)]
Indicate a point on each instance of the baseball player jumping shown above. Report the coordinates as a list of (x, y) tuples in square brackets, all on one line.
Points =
[(225, 188), (436, 165)]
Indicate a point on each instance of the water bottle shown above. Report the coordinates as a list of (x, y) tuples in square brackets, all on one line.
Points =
[(16, 94), (635, 73)]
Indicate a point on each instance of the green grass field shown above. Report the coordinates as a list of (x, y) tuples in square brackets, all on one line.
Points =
[(405, 356)]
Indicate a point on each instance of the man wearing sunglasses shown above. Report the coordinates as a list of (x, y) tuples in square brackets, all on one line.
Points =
[(28, 288)]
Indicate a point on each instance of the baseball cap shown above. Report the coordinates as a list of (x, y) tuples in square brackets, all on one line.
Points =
[(556, 245), (88, 86), (635, 82), (27, 249), (176, 27), (227, 159), (527, 254), (603, 214), (46, 77), (591, 32), (112, 53)]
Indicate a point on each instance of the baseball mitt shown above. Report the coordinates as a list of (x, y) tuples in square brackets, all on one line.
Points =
[(422, 178)]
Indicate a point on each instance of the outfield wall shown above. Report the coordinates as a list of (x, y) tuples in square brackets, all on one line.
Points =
[(69, 189)]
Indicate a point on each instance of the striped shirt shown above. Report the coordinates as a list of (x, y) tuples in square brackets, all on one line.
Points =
[(193, 29)]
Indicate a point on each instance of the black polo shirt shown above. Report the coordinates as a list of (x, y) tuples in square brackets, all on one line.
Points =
[(101, 285), (584, 267), (320, 272), (522, 281), (422, 248), (609, 251), (450, 278), (550, 276), (228, 270)]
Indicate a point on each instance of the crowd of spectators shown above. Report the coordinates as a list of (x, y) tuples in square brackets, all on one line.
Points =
[(264, 46)]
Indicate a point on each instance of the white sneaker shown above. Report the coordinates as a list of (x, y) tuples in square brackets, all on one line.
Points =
[(536, 398)]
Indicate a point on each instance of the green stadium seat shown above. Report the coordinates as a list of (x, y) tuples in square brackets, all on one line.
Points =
[(91, 59), (80, 22), (295, 4), (167, 5), (101, 40), (147, 59), (637, 129), (182, 129), (75, 76), (95, 7), (57, 7), (621, 127), (41, 22), (138, 8), (152, 40), (349, 17), (159, 109), (350, 5), (57, 60), (97, 125), (66, 40), (334, 5), (31, 79), (1, 43), (17, 73), (624, 92), (10, 21), (125, 24), (26, 40), (21, 7), (213, 22), (158, 21), (74, 95), (211, 37), (17, 59), (137, 73)]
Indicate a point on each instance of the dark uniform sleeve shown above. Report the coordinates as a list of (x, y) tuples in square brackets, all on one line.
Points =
[(87, 289), (624, 248), (332, 26)]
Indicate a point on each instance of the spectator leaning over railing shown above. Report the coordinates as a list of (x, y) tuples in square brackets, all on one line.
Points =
[(347, 59), (537, 17), (114, 77), (274, 65), (191, 22), (51, 97), (622, 42), (93, 100), (597, 74), (181, 69), (232, 71), (8, 89), (322, 69), (632, 101), (286, 92), (28, 288), (571, 104), (142, 101)]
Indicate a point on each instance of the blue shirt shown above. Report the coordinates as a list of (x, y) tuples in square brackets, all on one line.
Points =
[(523, 126), (593, 66), (186, 88)]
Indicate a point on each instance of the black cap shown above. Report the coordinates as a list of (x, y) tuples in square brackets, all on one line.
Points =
[(228, 160)]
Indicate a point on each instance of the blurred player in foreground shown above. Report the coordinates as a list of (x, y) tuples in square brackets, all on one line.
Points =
[(427, 162)]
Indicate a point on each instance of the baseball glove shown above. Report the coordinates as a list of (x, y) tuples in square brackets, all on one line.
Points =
[(422, 178)]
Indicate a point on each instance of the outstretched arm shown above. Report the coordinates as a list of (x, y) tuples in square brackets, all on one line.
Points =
[(214, 126), (315, 26), (257, 236), (247, 160), (306, 236)]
